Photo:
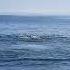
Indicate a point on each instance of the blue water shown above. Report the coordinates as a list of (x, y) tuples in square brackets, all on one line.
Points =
[(34, 42)]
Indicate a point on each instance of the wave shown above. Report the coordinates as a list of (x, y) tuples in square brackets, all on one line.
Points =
[(33, 37), (34, 59), (32, 62)]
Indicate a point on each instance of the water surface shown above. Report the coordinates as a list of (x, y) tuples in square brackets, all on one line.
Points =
[(34, 42)]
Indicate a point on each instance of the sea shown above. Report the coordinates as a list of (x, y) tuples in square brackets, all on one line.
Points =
[(34, 42)]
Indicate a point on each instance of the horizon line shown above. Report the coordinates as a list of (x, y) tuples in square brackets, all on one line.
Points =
[(32, 14)]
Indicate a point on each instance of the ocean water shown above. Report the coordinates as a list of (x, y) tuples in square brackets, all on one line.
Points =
[(34, 42)]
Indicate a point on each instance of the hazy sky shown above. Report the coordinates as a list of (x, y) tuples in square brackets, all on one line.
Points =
[(35, 6)]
